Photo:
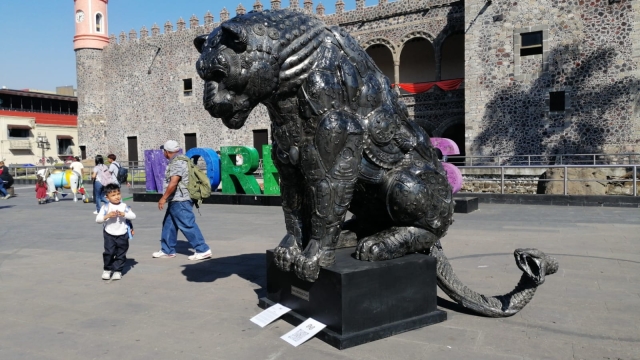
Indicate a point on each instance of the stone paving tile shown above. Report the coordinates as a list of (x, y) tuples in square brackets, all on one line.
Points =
[(54, 305)]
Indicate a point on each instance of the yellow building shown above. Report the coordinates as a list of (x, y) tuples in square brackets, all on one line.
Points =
[(37, 128)]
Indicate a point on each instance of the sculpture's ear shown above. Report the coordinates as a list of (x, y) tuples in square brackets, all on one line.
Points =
[(236, 32), (199, 42)]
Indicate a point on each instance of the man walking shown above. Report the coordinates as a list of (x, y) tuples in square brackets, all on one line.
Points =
[(179, 213)]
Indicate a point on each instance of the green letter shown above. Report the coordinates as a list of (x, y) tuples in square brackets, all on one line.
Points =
[(238, 179), (270, 173)]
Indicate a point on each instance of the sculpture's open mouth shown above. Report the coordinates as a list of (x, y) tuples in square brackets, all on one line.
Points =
[(529, 261)]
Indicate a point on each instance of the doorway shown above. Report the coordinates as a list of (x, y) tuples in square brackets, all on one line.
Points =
[(260, 137), (190, 141), (132, 149)]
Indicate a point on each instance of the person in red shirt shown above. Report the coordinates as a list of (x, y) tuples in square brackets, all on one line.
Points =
[(41, 190)]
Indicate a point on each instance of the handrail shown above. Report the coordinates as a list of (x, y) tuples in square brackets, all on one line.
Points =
[(555, 159), (565, 180)]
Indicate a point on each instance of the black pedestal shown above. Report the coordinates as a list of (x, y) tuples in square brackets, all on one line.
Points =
[(359, 301), (465, 204)]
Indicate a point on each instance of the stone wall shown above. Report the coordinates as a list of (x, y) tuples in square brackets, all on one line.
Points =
[(591, 51), (146, 98), (143, 76), (91, 101), (600, 181)]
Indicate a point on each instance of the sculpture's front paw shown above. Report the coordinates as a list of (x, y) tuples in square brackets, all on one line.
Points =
[(307, 264), (372, 249), (286, 252)]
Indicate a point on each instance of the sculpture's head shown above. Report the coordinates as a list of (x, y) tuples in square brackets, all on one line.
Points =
[(241, 60), (236, 77)]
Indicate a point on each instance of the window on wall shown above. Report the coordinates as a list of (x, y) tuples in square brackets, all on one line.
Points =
[(557, 101), (65, 146), (18, 133), (99, 22), (531, 43), (187, 87)]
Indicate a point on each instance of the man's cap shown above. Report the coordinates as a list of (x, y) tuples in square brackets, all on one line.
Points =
[(170, 146)]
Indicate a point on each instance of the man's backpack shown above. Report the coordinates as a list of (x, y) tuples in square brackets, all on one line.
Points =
[(122, 175), (199, 186)]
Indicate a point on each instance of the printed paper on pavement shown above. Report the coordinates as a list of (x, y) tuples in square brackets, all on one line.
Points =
[(269, 315), (303, 332)]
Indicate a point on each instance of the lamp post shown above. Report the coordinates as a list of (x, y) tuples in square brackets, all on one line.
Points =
[(43, 143)]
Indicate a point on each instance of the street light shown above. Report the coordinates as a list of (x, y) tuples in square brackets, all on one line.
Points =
[(43, 143)]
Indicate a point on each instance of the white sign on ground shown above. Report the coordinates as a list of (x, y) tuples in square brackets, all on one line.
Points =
[(303, 332), (269, 315)]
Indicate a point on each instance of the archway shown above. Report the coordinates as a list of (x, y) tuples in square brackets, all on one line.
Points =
[(383, 57), (452, 64), (417, 61), (453, 129)]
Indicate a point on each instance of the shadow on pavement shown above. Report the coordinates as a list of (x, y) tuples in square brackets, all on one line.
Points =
[(250, 267), (450, 305), (128, 265), (183, 247), (6, 207)]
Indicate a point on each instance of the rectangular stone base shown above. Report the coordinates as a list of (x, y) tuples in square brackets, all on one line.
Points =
[(359, 301)]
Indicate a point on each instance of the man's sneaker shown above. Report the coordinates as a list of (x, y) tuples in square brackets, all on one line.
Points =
[(160, 254), (200, 256), (95, 213), (106, 275), (6, 197), (117, 275)]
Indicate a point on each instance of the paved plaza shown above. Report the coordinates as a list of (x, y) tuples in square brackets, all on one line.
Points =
[(53, 304)]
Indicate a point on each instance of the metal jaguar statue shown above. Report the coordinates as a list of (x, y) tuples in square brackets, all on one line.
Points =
[(342, 142)]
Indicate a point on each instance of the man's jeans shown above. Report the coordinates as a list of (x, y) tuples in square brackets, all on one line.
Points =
[(3, 192), (180, 216)]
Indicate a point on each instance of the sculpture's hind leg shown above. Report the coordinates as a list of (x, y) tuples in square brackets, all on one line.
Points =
[(394, 242), (421, 209)]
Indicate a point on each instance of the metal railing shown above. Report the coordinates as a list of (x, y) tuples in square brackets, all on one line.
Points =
[(632, 169), (559, 159)]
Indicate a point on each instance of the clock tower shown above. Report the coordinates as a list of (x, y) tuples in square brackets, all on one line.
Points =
[(90, 17), (91, 24)]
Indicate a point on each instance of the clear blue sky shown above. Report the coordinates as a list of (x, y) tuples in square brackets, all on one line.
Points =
[(36, 36)]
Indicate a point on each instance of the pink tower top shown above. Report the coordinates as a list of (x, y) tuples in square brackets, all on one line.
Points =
[(91, 24)]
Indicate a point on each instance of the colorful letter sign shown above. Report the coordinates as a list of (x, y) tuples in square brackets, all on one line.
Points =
[(213, 163), (238, 179), (269, 173), (449, 147)]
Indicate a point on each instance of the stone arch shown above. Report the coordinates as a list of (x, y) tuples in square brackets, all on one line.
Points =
[(452, 56), (382, 52), (417, 34), (453, 128), (380, 41), (417, 58)]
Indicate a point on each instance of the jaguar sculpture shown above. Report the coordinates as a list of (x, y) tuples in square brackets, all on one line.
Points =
[(342, 141)]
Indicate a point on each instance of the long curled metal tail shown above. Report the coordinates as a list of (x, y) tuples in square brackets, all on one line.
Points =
[(492, 306)]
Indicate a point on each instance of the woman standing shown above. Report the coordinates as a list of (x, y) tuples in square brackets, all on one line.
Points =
[(101, 177), (6, 180)]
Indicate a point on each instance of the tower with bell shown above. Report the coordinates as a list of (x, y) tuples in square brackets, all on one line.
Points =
[(91, 37)]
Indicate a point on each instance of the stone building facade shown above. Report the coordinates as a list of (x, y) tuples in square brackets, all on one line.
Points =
[(552, 77), (142, 88), (540, 77)]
